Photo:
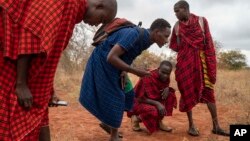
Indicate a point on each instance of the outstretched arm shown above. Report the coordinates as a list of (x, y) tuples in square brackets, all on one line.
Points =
[(114, 59)]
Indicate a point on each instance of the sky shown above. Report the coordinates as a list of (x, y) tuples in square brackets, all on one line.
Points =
[(228, 19)]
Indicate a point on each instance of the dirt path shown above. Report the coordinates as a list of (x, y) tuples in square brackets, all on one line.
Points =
[(74, 123)]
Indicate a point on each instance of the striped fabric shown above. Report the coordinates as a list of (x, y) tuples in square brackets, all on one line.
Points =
[(42, 28), (101, 93), (189, 68), (204, 66)]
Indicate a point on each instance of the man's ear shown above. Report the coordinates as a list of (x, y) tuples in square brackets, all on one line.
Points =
[(154, 35), (157, 32), (153, 31)]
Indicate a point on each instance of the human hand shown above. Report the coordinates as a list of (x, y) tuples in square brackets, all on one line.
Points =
[(141, 73), (24, 96), (161, 109), (165, 93), (53, 100)]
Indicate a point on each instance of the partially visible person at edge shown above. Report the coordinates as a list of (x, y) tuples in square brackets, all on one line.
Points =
[(101, 91), (196, 65), (33, 35), (154, 100)]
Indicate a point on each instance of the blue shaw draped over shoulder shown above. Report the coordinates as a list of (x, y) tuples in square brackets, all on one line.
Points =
[(101, 92)]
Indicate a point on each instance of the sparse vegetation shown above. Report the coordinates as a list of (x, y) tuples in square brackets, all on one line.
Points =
[(147, 60), (233, 60), (232, 87), (233, 90), (232, 93)]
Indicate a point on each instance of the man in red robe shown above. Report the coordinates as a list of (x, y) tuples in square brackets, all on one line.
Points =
[(196, 64), (154, 100), (33, 35)]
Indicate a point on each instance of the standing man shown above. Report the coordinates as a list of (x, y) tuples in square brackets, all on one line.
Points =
[(102, 93), (196, 64), (33, 35)]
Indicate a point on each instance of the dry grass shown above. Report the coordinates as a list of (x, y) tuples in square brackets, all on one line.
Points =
[(232, 93), (69, 83)]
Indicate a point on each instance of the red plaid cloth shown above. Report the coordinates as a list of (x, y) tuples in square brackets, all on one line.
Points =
[(41, 27), (34, 134), (189, 71), (104, 31), (151, 87)]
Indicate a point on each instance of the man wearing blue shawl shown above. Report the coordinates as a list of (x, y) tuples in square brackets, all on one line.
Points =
[(102, 93)]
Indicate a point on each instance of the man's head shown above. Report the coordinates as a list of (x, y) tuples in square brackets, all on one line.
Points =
[(165, 70), (160, 30), (100, 11), (181, 9)]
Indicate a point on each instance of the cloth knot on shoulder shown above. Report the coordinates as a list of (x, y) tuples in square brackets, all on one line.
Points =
[(105, 30)]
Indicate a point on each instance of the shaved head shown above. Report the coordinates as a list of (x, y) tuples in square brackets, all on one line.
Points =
[(100, 11), (182, 4), (111, 6)]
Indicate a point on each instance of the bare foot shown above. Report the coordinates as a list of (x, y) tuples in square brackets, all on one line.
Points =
[(220, 131), (135, 123), (164, 127), (108, 129), (193, 131)]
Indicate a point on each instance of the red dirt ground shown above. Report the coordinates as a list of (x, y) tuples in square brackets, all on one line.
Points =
[(74, 123)]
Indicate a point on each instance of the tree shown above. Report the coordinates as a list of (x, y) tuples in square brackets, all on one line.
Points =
[(172, 57), (78, 50), (147, 60), (233, 59), (218, 46)]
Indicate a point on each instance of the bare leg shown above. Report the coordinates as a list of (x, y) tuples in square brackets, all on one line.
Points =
[(190, 119), (44, 134), (213, 112), (192, 129), (108, 129), (216, 127), (114, 135)]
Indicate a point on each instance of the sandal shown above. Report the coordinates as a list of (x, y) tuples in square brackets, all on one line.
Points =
[(167, 129), (108, 130), (135, 123), (193, 131), (164, 127), (220, 132)]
